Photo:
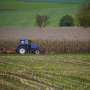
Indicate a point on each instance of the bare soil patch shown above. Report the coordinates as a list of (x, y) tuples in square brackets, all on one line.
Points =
[(62, 33)]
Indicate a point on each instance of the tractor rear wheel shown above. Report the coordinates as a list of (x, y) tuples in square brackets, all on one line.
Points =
[(22, 50)]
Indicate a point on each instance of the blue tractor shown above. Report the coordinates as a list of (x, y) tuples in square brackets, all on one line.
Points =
[(26, 46)]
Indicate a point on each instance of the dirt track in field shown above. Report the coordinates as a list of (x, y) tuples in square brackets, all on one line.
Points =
[(63, 33)]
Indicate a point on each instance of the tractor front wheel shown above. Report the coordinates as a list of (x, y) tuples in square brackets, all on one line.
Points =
[(37, 52)]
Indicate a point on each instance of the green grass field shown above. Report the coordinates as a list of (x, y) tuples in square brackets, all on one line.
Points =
[(16, 13), (45, 72)]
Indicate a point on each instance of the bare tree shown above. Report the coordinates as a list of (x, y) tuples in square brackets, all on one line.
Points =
[(41, 20), (84, 14)]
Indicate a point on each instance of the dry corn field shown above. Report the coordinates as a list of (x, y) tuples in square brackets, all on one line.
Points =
[(46, 72), (51, 40)]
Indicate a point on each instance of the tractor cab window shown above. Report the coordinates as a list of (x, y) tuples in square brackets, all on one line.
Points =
[(24, 41)]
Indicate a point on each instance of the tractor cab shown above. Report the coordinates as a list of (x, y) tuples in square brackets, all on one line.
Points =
[(26, 46), (25, 42)]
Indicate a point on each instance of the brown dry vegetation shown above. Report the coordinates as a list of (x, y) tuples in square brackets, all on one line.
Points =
[(52, 47), (51, 40)]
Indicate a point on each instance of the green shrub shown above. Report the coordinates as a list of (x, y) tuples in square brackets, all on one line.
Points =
[(66, 21)]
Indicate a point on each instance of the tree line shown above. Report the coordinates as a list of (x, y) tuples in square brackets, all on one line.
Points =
[(83, 17)]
